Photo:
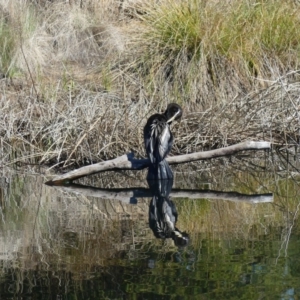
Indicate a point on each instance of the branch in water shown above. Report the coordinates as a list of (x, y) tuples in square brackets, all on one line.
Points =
[(128, 162)]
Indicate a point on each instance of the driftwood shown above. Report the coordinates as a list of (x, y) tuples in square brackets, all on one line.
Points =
[(130, 195), (128, 162)]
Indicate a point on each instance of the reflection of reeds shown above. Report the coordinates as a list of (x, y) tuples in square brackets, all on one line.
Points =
[(54, 238), (221, 219), (53, 228), (66, 231), (226, 220)]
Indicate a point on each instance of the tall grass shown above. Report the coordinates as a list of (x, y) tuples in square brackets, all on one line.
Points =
[(247, 38), (239, 29), (6, 46)]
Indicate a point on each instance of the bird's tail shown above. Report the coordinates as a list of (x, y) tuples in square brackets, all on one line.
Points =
[(160, 171)]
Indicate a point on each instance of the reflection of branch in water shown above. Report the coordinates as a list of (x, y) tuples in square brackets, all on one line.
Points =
[(130, 195)]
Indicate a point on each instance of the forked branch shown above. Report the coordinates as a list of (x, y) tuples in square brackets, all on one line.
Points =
[(128, 162)]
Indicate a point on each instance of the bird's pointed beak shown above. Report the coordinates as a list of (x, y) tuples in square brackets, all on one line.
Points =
[(173, 118)]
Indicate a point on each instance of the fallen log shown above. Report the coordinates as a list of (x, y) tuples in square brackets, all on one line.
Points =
[(128, 162)]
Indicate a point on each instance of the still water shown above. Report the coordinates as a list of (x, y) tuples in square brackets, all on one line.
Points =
[(94, 241)]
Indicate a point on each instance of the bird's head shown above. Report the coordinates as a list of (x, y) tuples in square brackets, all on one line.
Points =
[(173, 112)]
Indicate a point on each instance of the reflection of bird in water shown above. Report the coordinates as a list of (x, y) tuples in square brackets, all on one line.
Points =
[(158, 140), (163, 214)]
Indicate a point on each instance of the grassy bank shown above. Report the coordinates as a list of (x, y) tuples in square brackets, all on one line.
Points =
[(80, 79)]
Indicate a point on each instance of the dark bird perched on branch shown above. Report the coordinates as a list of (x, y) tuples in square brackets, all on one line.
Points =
[(158, 140)]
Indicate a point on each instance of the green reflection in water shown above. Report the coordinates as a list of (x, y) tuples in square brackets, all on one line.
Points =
[(59, 245)]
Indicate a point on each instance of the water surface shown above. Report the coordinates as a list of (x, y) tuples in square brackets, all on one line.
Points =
[(61, 243)]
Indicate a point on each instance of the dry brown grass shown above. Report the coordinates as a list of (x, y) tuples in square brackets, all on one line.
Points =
[(80, 80)]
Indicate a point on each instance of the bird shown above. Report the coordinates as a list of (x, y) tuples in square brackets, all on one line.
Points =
[(158, 141)]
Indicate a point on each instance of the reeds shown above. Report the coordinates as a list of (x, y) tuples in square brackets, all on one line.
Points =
[(80, 80)]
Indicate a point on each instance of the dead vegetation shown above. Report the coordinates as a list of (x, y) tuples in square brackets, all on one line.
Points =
[(80, 79)]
